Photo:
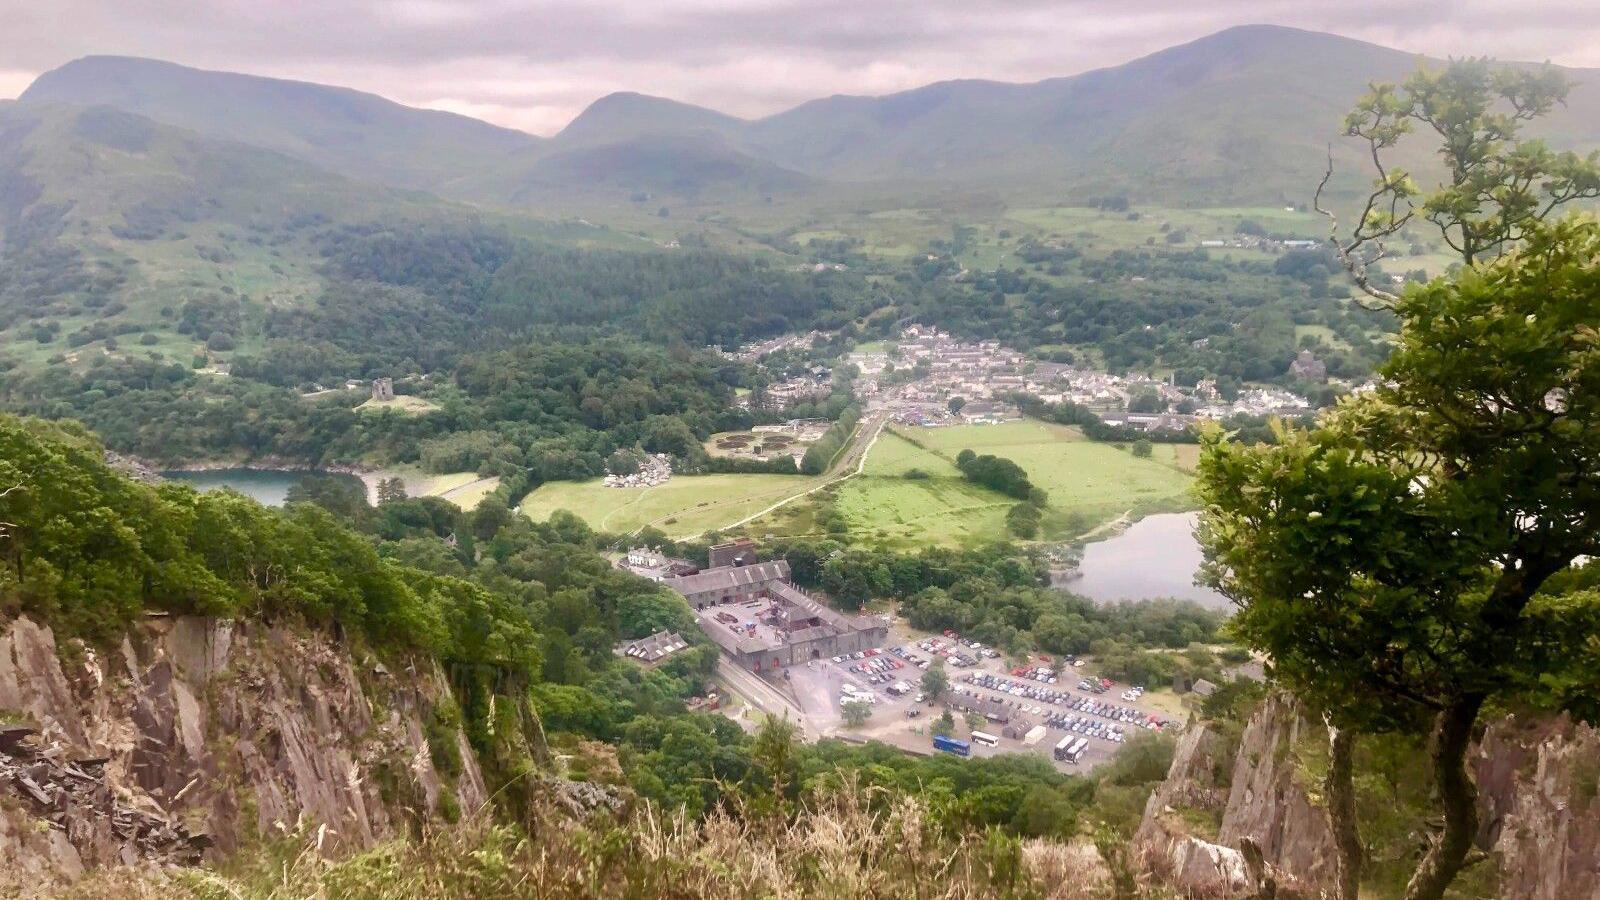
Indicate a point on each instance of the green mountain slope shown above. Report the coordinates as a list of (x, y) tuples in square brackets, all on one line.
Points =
[(623, 116), (111, 224), (668, 166), (1242, 116), (342, 130)]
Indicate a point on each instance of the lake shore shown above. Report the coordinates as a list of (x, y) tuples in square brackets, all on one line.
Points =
[(144, 469), (1150, 558)]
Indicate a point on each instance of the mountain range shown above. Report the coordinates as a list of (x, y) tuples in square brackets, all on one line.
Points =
[(1243, 116)]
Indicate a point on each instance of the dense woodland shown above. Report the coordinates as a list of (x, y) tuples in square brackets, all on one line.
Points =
[(593, 343)]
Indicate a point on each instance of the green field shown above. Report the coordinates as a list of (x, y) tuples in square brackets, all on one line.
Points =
[(404, 403), (1089, 484), (687, 505)]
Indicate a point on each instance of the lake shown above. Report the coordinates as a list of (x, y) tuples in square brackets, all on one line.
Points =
[(1156, 557), (266, 486)]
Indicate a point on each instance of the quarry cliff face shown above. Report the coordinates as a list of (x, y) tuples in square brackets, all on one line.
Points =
[(1538, 805), (199, 736)]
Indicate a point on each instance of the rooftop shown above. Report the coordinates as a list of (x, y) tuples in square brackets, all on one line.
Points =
[(726, 577), (654, 647)]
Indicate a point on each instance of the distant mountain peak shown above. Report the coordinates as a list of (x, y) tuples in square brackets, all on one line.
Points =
[(345, 130), (624, 115)]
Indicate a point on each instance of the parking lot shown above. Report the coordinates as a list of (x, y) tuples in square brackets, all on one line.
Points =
[(1029, 709)]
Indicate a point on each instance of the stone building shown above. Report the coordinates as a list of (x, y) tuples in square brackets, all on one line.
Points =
[(765, 623), (1307, 366), (382, 389), (741, 552)]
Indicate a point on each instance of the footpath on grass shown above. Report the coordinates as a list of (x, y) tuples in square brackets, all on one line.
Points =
[(852, 462)]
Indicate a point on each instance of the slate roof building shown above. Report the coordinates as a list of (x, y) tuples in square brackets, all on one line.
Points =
[(653, 649), (765, 623)]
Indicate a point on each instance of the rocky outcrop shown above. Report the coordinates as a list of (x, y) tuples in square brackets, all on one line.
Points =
[(1269, 800), (205, 735), (74, 798), (1189, 803), (1220, 793), (1537, 783), (1198, 778)]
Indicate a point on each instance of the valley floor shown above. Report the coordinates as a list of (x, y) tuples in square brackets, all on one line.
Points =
[(1089, 484)]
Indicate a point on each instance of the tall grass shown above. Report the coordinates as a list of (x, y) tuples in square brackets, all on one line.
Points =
[(853, 842)]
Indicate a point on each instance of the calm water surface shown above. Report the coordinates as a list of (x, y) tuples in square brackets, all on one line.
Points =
[(267, 486), (1156, 557)]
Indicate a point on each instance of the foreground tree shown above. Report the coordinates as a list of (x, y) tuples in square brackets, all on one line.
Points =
[(1497, 187), (1390, 562), (1496, 192)]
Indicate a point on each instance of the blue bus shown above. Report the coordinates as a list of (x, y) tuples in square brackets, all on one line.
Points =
[(951, 745)]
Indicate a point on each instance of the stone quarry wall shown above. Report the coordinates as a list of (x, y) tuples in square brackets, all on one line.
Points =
[(198, 736), (1536, 780)]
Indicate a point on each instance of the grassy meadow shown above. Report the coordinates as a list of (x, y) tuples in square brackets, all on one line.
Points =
[(687, 505), (1089, 483)]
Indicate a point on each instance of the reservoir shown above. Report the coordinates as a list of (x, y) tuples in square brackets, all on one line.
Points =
[(1156, 557), (267, 486)]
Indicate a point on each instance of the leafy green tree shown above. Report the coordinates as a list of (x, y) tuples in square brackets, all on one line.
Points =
[(1146, 400), (391, 490), (856, 712), (935, 680), (945, 725), (1142, 449), (1022, 520), (623, 462), (1498, 187), (773, 752), (1001, 474), (1391, 562), (339, 494), (1499, 191), (647, 613), (854, 578)]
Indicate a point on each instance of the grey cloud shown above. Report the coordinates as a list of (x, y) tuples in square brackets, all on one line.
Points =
[(534, 64)]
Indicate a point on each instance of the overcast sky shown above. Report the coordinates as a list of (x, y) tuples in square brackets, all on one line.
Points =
[(534, 64)]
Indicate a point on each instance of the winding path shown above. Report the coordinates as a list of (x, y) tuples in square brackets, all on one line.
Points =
[(857, 453)]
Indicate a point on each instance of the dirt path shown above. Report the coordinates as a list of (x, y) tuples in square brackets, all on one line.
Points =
[(857, 453), (606, 521), (1113, 526)]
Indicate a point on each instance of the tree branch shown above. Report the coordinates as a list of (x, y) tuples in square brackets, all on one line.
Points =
[(1353, 264)]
